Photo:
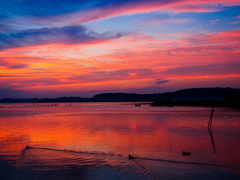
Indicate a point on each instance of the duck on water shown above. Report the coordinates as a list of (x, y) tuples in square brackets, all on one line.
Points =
[(130, 157)]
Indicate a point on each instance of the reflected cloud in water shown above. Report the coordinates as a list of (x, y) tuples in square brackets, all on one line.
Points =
[(93, 140)]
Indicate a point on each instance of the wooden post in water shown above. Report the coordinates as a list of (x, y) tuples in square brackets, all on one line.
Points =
[(210, 129)]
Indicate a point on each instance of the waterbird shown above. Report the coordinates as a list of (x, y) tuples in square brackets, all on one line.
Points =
[(27, 147), (130, 157), (186, 153)]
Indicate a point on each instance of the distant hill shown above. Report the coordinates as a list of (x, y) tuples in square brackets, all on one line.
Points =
[(196, 93), (201, 93)]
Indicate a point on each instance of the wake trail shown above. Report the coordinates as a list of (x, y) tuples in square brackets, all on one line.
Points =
[(183, 162), (120, 155)]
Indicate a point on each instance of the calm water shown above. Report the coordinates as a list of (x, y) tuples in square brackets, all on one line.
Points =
[(93, 141)]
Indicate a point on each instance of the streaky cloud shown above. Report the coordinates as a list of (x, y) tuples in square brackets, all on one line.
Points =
[(79, 12), (224, 68), (111, 9), (122, 74), (63, 35), (13, 65), (162, 82)]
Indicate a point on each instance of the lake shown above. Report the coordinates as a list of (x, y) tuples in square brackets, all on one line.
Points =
[(94, 140)]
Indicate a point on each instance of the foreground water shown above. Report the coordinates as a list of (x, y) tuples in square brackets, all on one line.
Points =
[(93, 141)]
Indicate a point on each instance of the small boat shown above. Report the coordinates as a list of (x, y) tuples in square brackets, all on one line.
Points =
[(27, 147), (186, 153)]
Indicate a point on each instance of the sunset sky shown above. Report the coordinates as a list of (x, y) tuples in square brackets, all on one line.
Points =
[(52, 48)]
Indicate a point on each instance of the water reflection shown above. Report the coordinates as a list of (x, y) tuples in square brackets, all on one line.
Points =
[(97, 139)]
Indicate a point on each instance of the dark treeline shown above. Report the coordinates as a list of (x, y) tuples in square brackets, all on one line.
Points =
[(181, 95), (36, 100), (186, 94)]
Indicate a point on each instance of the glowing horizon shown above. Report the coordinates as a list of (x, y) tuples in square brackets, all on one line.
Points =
[(49, 48)]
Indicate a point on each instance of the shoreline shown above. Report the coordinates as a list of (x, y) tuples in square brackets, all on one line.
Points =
[(202, 103)]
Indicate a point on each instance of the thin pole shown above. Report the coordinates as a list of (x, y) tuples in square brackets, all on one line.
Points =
[(210, 129)]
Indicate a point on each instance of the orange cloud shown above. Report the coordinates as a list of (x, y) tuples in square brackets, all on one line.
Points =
[(133, 61)]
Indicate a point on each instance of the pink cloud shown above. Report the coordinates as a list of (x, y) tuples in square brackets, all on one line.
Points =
[(13, 65), (237, 17), (202, 70), (235, 22), (119, 75)]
